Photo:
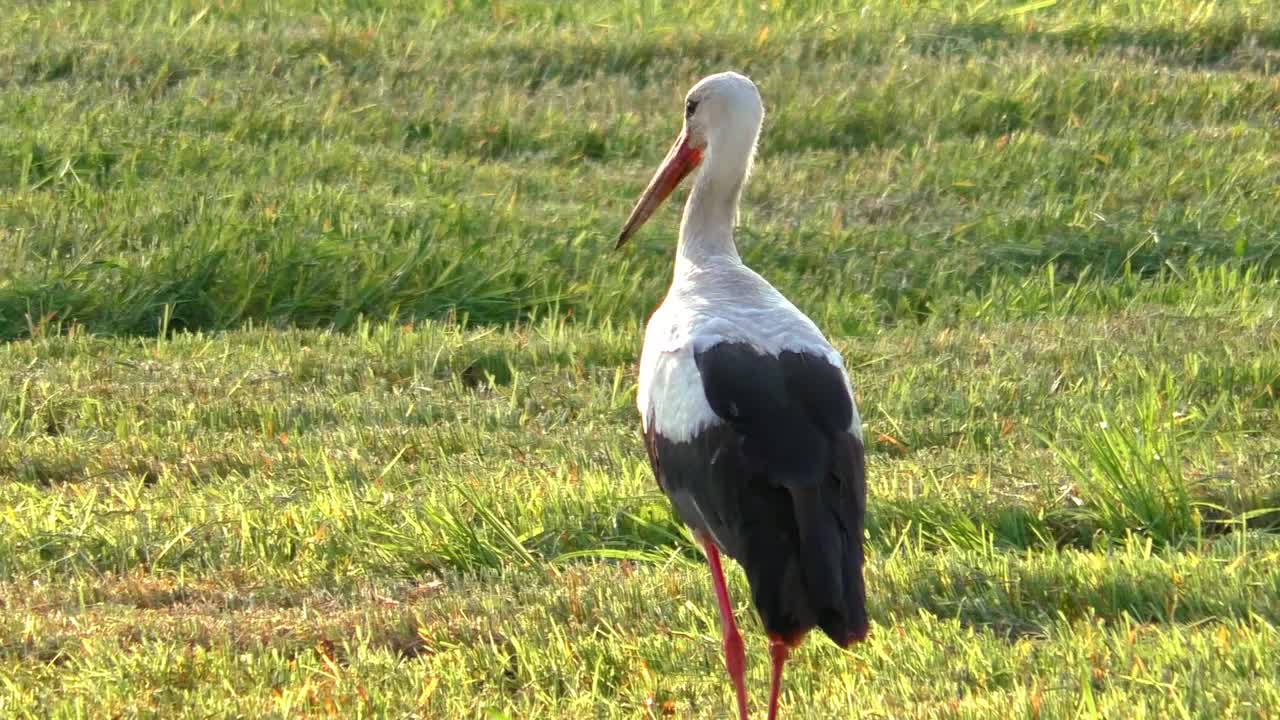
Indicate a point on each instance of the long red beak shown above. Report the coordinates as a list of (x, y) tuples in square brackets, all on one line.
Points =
[(681, 160)]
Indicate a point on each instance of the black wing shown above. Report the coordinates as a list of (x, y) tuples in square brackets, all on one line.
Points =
[(779, 485)]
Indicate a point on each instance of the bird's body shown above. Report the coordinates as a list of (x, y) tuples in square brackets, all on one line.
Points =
[(747, 411), (748, 414)]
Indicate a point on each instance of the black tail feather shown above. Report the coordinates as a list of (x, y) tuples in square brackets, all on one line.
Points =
[(832, 563), (812, 575)]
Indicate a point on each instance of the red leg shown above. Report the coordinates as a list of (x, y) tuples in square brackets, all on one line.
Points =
[(778, 652), (735, 660)]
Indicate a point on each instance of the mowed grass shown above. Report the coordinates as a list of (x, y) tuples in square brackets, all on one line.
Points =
[(316, 397)]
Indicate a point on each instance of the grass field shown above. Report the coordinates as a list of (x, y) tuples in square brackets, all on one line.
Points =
[(316, 390)]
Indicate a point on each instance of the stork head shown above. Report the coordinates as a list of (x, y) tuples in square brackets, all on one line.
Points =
[(722, 117)]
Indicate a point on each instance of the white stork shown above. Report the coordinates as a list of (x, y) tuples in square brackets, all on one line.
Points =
[(748, 415)]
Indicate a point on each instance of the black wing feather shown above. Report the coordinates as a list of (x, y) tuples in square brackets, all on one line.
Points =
[(779, 485)]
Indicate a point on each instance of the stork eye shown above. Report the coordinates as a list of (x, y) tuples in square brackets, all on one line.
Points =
[(690, 108)]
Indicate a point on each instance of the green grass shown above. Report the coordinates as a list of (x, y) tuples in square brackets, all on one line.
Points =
[(316, 390)]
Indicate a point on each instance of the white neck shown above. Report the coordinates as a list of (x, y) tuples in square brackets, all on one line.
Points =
[(706, 230)]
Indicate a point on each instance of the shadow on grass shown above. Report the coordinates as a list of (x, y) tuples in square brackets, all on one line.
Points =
[(1228, 45), (318, 285)]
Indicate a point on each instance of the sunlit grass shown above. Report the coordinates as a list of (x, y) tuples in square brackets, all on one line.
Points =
[(316, 397)]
